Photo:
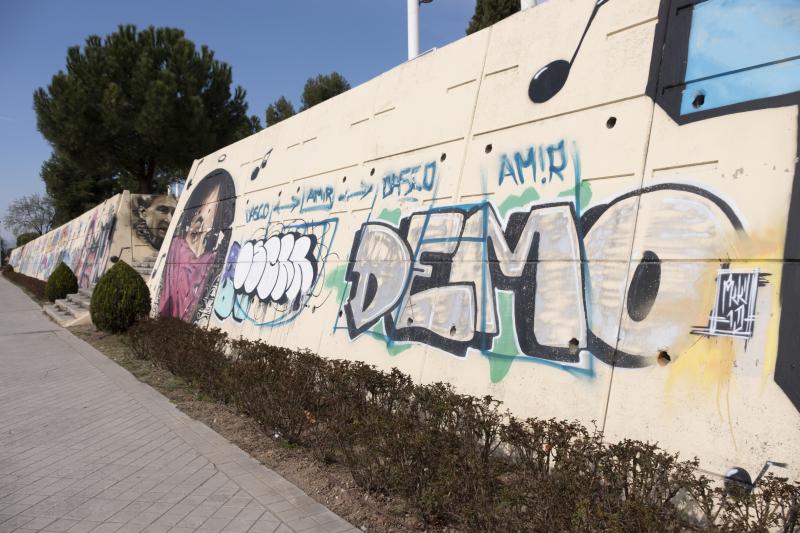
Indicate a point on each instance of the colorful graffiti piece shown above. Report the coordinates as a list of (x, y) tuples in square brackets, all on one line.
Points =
[(127, 225), (277, 274), (435, 278)]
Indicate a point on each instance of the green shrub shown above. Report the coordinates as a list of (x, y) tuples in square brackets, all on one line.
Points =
[(120, 298), (60, 283), (25, 238), (458, 461)]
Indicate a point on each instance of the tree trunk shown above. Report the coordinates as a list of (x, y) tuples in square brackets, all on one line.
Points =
[(146, 178)]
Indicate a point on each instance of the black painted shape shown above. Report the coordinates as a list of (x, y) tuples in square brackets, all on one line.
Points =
[(548, 81), (736, 480), (643, 288), (787, 366), (254, 174), (551, 78), (372, 290)]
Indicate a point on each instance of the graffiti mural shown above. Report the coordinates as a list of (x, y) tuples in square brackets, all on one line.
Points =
[(435, 278), (150, 218), (130, 226), (83, 244), (278, 273), (197, 249), (715, 67), (601, 222), (93, 256)]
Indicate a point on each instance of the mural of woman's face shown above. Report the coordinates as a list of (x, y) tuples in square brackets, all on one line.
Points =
[(202, 221)]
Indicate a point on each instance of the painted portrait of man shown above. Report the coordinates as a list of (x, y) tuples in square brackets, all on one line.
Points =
[(151, 217)]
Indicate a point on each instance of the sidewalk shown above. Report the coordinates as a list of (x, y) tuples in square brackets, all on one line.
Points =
[(85, 446)]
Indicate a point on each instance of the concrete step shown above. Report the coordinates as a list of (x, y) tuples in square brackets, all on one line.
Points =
[(65, 312), (71, 308), (86, 291), (80, 300), (57, 315)]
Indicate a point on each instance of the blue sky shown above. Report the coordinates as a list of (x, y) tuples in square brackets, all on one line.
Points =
[(273, 47)]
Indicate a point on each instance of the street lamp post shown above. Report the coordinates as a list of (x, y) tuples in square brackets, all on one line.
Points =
[(413, 27)]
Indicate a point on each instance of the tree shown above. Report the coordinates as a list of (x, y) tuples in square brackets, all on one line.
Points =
[(279, 110), (25, 238), (488, 12), (33, 213), (250, 126), (139, 106), (323, 87), (74, 191)]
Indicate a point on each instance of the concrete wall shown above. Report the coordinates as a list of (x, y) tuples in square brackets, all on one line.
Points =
[(611, 240), (131, 226)]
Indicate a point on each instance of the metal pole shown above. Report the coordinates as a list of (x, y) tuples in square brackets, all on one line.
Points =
[(413, 29)]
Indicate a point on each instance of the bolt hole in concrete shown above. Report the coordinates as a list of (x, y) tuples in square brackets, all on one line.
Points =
[(444, 156), (699, 100), (573, 346), (372, 172), (340, 313), (344, 179), (663, 358), (452, 330), (488, 148), (410, 321), (611, 122), (298, 189), (221, 158), (279, 193)]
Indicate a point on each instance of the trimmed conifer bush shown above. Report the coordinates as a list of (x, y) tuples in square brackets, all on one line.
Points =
[(62, 281), (120, 298)]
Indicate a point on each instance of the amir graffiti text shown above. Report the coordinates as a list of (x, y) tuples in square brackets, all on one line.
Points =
[(540, 165)]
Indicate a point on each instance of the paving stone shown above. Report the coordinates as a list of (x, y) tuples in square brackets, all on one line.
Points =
[(87, 447), (62, 524), (84, 526)]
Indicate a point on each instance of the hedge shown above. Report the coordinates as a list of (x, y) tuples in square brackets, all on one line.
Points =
[(460, 461)]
